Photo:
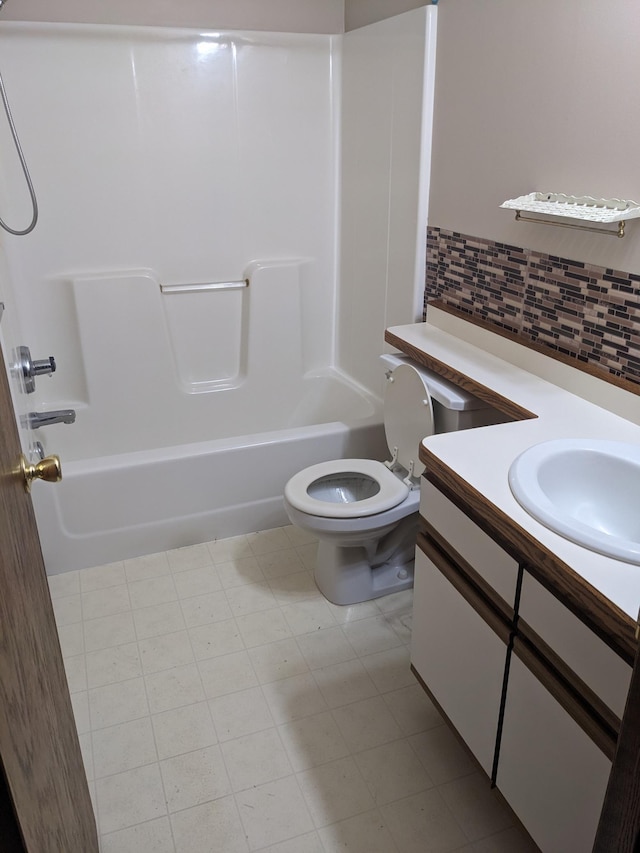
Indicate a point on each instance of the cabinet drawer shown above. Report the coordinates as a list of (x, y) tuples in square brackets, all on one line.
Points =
[(479, 550), (459, 658), (550, 772), (583, 651)]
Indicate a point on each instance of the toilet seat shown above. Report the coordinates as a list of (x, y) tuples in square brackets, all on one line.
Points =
[(357, 488), (408, 416), (391, 490)]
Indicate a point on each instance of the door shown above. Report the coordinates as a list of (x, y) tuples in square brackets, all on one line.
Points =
[(619, 827), (44, 798)]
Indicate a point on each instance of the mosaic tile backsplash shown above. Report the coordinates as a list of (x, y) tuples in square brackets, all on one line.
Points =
[(586, 312)]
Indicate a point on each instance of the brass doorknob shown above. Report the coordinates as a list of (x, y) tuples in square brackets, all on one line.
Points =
[(48, 469)]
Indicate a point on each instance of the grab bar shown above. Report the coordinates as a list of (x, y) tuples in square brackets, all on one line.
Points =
[(213, 285)]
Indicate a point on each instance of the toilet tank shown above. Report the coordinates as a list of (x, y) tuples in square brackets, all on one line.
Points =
[(453, 407)]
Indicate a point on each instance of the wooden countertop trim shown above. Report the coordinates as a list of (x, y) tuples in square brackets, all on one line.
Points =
[(603, 617), (502, 404)]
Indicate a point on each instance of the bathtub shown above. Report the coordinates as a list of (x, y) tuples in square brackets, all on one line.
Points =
[(123, 505)]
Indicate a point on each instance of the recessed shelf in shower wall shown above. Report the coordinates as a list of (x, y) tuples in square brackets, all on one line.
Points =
[(590, 211)]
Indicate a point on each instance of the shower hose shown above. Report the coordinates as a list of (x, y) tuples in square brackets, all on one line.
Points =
[(25, 169)]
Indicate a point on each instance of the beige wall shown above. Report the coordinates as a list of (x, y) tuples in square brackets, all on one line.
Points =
[(310, 16), (536, 96), (359, 13)]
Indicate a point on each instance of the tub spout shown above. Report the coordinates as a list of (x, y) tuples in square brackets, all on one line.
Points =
[(34, 420)]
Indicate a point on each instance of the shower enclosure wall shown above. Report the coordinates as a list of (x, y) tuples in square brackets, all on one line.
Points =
[(184, 273)]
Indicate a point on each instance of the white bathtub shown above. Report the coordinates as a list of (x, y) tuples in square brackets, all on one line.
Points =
[(123, 505)]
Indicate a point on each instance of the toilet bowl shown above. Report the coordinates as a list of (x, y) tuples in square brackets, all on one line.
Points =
[(365, 512)]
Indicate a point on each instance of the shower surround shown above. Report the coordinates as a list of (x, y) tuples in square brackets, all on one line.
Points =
[(184, 272), (166, 157)]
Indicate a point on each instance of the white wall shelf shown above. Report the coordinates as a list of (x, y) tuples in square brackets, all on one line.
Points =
[(590, 211)]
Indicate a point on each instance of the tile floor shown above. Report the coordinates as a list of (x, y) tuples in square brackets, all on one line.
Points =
[(224, 705)]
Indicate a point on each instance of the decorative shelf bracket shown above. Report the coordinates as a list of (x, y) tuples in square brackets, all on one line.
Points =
[(590, 211), (619, 232)]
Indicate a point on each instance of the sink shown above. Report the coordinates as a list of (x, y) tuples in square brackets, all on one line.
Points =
[(587, 490)]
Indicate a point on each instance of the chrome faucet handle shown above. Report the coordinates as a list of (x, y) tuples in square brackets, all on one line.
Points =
[(43, 366), (36, 451), (28, 368)]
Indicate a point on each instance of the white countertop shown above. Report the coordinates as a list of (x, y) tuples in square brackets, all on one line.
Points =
[(482, 456)]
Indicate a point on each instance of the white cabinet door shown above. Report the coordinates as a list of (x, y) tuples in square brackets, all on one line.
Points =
[(459, 658), (551, 774)]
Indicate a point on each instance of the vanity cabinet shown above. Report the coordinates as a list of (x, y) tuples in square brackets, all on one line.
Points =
[(533, 692)]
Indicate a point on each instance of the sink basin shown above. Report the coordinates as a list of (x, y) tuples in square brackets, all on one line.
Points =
[(587, 490)]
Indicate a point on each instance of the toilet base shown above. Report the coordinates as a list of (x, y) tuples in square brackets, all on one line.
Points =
[(344, 575)]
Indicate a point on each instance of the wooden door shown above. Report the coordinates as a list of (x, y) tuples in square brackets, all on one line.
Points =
[(44, 798), (619, 827)]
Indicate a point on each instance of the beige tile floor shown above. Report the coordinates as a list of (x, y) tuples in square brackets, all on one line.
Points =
[(224, 705)]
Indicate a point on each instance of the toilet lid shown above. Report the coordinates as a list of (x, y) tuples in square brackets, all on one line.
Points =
[(408, 415), (345, 488)]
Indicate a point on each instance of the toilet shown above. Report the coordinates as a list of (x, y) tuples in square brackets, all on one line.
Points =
[(364, 512)]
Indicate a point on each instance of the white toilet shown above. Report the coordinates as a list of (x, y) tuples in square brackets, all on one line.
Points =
[(365, 513)]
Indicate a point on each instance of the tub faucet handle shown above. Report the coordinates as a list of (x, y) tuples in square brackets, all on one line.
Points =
[(29, 368), (43, 366)]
